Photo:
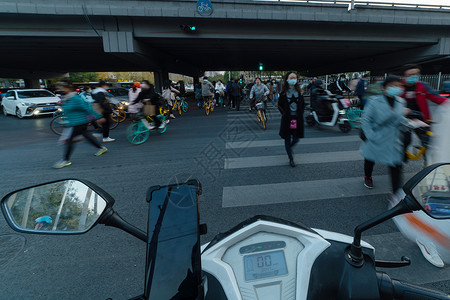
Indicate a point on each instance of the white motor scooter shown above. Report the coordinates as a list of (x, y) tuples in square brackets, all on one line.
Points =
[(338, 117), (262, 258)]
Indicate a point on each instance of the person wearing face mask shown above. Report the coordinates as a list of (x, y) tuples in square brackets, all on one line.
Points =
[(258, 93), (273, 92), (292, 106), (416, 95), (381, 127), (339, 87)]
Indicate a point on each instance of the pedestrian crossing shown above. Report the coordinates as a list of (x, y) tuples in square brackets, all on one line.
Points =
[(329, 172), (242, 155)]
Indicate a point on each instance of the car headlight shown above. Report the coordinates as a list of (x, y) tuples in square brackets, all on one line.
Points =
[(125, 103)]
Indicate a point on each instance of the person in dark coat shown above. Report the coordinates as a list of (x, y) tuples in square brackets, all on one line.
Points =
[(361, 88), (291, 104), (236, 94)]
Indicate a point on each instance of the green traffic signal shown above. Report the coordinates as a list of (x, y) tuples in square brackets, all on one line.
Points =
[(192, 28), (261, 67)]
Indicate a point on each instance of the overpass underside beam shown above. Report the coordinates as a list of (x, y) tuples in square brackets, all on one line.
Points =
[(125, 46), (393, 60)]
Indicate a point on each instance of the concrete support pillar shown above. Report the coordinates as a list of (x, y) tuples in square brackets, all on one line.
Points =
[(32, 83), (196, 80), (160, 77)]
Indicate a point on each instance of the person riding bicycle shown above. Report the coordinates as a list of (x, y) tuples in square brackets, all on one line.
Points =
[(149, 96), (207, 91), (43, 223), (259, 93), (416, 95), (169, 93)]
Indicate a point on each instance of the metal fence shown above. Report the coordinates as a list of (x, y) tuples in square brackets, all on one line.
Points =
[(435, 81), (352, 4)]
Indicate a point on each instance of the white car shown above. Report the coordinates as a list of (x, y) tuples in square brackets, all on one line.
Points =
[(27, 103)]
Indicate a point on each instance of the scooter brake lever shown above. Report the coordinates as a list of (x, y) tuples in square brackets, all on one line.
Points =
[(405, 261)]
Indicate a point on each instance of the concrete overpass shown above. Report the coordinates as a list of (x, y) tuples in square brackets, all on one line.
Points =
[(40, 38)]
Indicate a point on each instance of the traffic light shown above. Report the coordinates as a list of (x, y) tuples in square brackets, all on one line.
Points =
[(261, 67), (240, 79), (188, 28)]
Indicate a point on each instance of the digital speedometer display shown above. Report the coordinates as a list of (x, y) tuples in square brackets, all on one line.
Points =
[(265, 265)]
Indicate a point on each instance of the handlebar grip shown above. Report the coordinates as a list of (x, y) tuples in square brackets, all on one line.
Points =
[(395, 289)]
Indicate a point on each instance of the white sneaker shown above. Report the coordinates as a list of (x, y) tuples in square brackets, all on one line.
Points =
[(167, 121), (148, 125), (172, 116), (430, 253), (162, 125), (61, 164), (108, 140)]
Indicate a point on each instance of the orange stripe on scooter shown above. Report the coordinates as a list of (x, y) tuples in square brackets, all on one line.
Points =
[(435, 234)]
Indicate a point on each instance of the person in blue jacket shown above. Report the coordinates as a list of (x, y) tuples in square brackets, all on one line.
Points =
[(78, 113), (361, 88)]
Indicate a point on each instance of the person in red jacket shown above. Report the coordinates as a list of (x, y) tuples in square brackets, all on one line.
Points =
[(417, 94)]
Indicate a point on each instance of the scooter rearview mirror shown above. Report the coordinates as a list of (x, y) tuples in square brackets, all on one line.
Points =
[(61, 207), (430, 189)]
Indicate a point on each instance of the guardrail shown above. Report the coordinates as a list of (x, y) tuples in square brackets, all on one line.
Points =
[(352, 4)]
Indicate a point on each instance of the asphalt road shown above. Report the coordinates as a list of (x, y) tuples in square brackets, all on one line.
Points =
[(233, 158)]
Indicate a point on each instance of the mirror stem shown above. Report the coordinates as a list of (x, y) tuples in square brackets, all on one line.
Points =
[(355, 255), (113, 219)]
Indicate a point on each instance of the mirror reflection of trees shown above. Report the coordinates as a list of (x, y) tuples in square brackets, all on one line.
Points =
[(71, 205), (437, 181)]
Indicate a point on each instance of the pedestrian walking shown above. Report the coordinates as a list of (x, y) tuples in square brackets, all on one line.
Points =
[(78, 114), (381, 132), (291, 105), (236, 93), (100, 96), (273, 92), (228, 90), (361, 88), (198, 95), (133, 93)]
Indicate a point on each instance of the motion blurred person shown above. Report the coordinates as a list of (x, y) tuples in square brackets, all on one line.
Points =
[(100, 96), (381, 125), (416, 95), (149, 96), (78, 114), (291, 105), (133, 93)]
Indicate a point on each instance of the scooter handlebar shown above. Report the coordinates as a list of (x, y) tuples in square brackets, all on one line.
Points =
[(394, 289)]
